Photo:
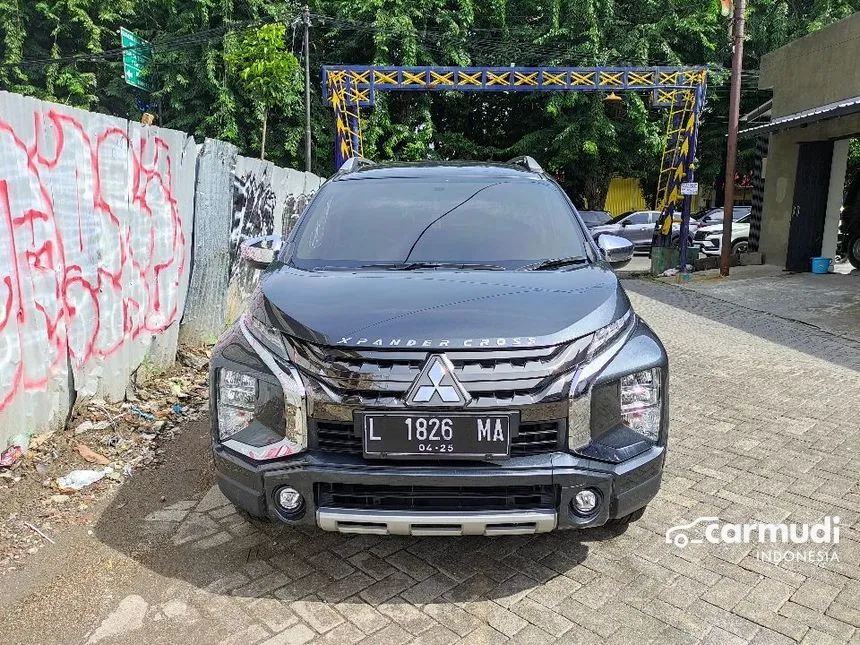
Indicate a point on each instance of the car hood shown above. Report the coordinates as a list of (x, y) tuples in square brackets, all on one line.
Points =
[(440, 308)]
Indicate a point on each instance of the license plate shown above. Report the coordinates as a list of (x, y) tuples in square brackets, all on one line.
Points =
[(437, 435)]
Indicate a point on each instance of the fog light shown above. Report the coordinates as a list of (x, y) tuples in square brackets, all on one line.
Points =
[(585, 502), (290, 499)]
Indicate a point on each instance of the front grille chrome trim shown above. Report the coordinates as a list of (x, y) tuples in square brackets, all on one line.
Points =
[(425, 523)]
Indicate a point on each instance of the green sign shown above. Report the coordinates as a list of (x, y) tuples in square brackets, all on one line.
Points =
[(136, 55)]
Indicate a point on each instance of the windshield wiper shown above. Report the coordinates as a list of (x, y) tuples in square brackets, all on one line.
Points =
[(554, 263), (412, 266)]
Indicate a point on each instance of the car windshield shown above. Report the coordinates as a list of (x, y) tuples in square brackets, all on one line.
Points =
[(400, 221), (595, 218)]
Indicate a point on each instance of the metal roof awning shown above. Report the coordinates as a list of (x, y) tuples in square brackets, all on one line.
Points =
[(805, 117)]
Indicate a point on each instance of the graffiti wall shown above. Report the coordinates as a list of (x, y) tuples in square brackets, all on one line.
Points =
[(236, 198), (96, 217), (267, 200)]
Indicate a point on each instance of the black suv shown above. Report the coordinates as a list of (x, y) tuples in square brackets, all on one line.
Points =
[(440, 349)]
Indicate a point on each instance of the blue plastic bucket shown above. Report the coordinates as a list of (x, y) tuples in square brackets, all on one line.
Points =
[(821, 265)]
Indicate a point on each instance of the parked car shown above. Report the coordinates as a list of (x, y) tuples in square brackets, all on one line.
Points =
[(440, 349), (711, 216), (849, 224), (709, 239), (639, 227), (595, 218)]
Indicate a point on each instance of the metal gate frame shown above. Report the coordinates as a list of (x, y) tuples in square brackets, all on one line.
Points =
[(348, 88)]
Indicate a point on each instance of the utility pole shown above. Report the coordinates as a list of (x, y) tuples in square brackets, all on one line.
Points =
[(732, 143), (306, 18)]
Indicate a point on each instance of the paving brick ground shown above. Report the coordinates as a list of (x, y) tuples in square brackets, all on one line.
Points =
[(764, 428)]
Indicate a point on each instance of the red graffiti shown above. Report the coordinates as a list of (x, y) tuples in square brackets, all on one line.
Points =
[(92, 247)]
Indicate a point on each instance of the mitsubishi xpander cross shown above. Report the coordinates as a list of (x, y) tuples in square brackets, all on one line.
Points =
[(441, 349)]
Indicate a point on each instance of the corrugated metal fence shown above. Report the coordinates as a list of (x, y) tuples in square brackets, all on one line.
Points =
[(98, 216)]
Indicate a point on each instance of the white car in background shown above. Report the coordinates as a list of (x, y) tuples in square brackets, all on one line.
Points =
[(708, 239)]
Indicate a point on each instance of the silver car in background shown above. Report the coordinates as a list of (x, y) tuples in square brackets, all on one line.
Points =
[(638, 227)]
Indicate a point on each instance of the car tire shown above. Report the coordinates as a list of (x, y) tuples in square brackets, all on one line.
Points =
[(741, 246), (852, 250), (627, 519)]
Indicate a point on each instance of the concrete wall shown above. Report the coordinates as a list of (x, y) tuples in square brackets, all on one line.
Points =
[(815, 70), (779, 181), (97, 222)]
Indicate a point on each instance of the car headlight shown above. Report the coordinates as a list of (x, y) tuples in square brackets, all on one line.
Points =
[(237, 397), (641, 402), (258, 323), (292, 389), (605, 335)]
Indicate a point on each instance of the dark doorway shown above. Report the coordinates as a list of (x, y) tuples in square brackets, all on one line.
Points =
[(810, 204)]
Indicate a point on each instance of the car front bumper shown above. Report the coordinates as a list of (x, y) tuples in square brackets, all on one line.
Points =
[(622, 489)]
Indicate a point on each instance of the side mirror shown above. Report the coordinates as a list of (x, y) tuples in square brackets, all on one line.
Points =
[(260, 252), (626, 222), (617, 251)]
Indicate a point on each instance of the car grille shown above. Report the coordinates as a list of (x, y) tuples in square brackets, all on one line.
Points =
[(492, 377), (533, 438), (435, 498), (338, 437)]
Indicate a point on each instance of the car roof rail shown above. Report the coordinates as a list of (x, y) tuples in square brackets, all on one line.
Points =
[(526, 162), (354, 163)]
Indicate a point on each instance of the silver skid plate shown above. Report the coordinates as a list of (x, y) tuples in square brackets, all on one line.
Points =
[(436, 523)]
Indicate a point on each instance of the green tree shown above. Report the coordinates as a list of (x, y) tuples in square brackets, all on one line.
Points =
[(269, 74), (581, 138), (55, 30)]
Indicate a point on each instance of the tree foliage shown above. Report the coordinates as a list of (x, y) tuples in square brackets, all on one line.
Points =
[(212, 73), (269, 73)]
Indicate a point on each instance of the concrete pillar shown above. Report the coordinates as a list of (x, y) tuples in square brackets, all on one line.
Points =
[(834, 197)]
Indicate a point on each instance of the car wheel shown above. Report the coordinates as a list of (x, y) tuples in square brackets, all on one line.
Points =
[(627, 519), (853, 249), (741, 246)]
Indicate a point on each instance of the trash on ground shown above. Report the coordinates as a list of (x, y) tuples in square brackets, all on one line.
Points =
[(669, 272), (30, 526), (91, 455), (141, 413), (78, 479), (18, 446), (87, 426), (50, 480), (11, 456), (37, 441)]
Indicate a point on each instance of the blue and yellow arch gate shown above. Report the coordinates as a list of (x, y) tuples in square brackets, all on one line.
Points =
[(348, 88)]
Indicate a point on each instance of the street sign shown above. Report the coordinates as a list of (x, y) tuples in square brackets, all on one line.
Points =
[(136, 56), (690, 188)]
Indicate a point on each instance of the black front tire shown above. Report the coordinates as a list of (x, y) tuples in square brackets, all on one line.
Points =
[(852, 250), (741, 246)]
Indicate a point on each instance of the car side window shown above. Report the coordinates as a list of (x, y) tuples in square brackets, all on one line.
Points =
[(637, 218)]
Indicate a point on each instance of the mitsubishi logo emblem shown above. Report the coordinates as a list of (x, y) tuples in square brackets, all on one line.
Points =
[(437, 384)]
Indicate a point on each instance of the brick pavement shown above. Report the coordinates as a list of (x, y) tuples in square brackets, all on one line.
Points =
[(763, 428)]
